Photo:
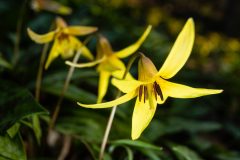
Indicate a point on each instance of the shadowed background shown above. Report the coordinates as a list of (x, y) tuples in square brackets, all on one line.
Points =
[(202, 128)]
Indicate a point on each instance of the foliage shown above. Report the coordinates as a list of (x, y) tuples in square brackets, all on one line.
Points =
[(203, 128)]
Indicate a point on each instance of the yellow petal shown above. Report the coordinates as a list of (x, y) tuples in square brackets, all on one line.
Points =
[(111, 64), (142, 116), (44, 38), (83, 65), (64, 10), (102, 85), (60, 23), (179, 52), (134, 47), (104, 47), (85, 51), (126, 86), (53, 54), (67, 47), (182, 91), (79, 30), (146, 69), (120, 100)]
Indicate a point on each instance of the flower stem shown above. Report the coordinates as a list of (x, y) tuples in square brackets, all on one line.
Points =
[(65, 87), (113, 111), (40, 68), (18, 34), (40, 71)]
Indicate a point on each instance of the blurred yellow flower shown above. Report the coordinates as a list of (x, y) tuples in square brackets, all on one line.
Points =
[(65, 43), (50, 5), (152, 87), (109, 63)]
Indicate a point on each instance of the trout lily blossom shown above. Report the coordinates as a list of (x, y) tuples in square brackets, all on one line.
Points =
[(153, 87), (50, 5), (65, 43), (109, 63)]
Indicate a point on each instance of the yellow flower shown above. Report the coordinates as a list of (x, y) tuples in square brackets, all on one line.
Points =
[(152, 86), (50, 5), (65, 43), (109, 63)]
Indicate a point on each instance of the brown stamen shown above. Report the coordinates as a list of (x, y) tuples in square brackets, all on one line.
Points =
[(154, 90), (158, 90), (62, 37), (140, 92), (145, 93)]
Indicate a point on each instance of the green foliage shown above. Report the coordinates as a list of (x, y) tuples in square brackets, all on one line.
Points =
[(184, 153), (16, 104), (203, 128), (12, 148)]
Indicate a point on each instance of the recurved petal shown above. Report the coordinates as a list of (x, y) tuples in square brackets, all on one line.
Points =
[(179, 52), (182, 91), (134, 47), (44, 38), (142, 116), (126, 86), (79, 30), (85, 51), (120, 100), (53, 54), (83, 65), (102, 85)]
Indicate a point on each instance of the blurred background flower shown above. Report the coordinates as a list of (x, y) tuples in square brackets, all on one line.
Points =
[(203, 128)]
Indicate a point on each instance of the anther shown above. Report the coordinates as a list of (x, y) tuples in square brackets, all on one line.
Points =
[(140, 93), (154, 91), (158, 90), (145, 93)]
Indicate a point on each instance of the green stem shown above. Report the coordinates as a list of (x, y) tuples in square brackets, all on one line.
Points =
[(40, 71), (41, 66), (112, 115), (18, 34), (65, 87)]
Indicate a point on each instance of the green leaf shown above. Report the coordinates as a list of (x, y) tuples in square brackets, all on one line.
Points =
[(136, 143), (73, 93), (128, 150), (12, 148), (151, 154), (83, 122), (60, 76), (4, 63), (228, 155), (16, 103), (13, 130), (37, 128), (184, 153), (145, 148)]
